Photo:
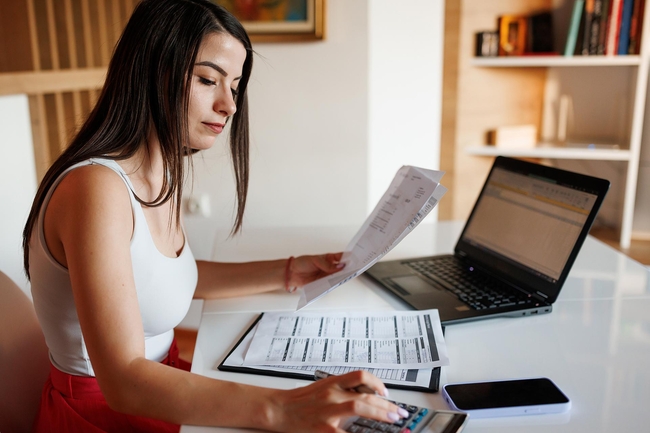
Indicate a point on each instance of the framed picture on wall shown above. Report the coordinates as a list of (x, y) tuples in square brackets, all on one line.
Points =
[(279, 20)]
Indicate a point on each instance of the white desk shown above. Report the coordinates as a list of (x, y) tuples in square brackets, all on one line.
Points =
[(595, 344)]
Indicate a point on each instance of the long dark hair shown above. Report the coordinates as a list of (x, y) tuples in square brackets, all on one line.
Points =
[(147, 86)]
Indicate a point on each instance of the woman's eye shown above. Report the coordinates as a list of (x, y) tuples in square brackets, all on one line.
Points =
[(235, 92), (207, 82)]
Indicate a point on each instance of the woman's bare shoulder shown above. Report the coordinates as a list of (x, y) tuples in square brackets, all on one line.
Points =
[(96, 182), (92, 191)]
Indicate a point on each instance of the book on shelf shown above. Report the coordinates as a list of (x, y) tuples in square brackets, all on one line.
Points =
[(594, 29), (588, 16), (602, 30), (539, 38), (635, 27), (613, 27), (574, 27), (624, 31)]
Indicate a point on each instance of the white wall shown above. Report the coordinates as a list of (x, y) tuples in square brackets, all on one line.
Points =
[(405, 93), (308, 110), (17, 183), (332, 121)]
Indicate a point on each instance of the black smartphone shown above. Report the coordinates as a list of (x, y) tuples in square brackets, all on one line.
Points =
[(506, 397)]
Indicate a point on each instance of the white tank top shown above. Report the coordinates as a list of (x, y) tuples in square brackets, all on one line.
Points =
[(165, 287)]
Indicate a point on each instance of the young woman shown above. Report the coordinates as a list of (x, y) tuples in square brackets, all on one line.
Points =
[(110, 267)]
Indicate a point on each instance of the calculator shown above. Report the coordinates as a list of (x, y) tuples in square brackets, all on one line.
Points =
[(420, 420)]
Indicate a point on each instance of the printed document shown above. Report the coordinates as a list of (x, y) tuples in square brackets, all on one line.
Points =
[(404, 377), (362, 339), (412, 194)]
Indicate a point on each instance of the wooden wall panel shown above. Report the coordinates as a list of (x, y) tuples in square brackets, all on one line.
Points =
[(470, 108), (67, 37), (15, 37)]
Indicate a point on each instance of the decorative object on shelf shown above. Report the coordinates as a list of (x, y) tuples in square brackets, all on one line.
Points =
[(512, 35), (280, 20), (565, 109), (487, 44), (513, 137)]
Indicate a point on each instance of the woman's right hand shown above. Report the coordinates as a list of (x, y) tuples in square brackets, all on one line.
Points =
[(326, 404)]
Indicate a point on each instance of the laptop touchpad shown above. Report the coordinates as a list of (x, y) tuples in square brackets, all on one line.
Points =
[(413, 284)]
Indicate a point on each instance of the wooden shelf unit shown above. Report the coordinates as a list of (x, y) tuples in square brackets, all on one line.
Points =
[(608, 96)]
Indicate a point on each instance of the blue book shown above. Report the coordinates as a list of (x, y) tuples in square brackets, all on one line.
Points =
[(574, 27), (624, 32)]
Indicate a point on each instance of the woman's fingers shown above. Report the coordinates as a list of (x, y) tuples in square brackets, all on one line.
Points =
[(360, 379), (363, 404), (305, 269), (328, 403)]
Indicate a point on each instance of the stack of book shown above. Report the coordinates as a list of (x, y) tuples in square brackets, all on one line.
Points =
[(605, 27), (597, 27)]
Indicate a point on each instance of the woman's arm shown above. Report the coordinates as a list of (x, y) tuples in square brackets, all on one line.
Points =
[(221, 280), (89, 219)]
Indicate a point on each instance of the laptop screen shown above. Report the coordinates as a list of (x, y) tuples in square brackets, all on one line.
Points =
[(533, 221), (529, 223)]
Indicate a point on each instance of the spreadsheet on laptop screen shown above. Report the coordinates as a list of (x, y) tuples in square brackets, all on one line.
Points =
[(529, 220)]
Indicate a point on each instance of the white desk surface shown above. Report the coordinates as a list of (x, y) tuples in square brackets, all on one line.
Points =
[(595, 344)]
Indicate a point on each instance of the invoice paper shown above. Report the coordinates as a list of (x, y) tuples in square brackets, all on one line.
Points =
[(391, 339), (412, 194), (399, 376)]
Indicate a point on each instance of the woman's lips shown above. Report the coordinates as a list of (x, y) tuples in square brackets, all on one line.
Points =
[(214, 127)]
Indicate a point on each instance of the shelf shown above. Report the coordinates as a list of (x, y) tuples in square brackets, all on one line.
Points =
[(555, 61), (552, 153)]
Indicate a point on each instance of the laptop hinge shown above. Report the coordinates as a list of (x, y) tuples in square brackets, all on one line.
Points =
[(542, 295)]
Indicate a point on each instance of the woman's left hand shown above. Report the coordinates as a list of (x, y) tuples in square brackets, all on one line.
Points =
[(305, 269)]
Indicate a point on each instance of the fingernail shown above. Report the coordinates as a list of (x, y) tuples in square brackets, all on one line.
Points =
[(402, 412), (385, 392), (340, 266), (393, 416)]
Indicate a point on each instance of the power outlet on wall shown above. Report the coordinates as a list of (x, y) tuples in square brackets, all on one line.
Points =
[(198, 205)]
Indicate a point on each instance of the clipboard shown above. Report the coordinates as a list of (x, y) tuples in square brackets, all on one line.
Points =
[(232, 363)]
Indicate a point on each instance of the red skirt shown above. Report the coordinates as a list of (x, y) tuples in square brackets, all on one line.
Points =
[(74, 404)]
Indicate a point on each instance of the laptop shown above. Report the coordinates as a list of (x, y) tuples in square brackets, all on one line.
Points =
[(515, 251)]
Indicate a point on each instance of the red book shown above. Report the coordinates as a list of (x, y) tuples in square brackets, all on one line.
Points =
[(613, 27), (635, 27)]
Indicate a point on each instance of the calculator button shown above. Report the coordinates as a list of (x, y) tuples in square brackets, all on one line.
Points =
[(412, 409), (366, 422)]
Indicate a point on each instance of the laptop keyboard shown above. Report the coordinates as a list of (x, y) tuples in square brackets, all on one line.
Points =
[(476, 289)]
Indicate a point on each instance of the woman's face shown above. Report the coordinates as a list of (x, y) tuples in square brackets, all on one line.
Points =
[(215, 80)]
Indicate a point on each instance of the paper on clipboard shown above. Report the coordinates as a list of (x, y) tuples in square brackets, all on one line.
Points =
[(364, 339), (412, 194), (423, 380)]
